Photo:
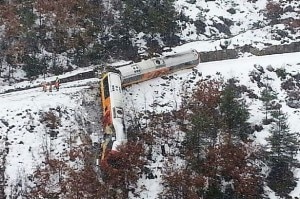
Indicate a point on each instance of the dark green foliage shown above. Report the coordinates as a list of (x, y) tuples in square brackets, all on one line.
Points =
[(204, 121), (214, 192), (281, 179), (234, 111), (200, 26), (284, 144), (281, 73), (267, 95), (227, 166), (34, 66), (202, 135), (27, 16), (152, 17), (282, 155), (121, 47), (85, 31), (56, 69)]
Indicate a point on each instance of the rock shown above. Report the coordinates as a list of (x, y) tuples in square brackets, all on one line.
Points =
[(270, 68), (259, 68), (258, 128), (289, 8), (231, 10), (293, 103)]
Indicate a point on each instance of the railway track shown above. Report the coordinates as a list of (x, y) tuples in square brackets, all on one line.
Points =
[(92, 73), (209, 56)]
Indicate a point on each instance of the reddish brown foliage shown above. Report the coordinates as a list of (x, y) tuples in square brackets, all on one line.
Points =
[(128, 164), (295, 23), (9, 17), (182, 184), (273, 9), (232, 163), (49, 179), (207, 94)]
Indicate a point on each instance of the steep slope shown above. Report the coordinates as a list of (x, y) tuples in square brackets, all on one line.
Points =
[(163, 95), (36, 123)]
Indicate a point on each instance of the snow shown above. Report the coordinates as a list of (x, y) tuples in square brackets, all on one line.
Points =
[(21, 110), (140, 97)]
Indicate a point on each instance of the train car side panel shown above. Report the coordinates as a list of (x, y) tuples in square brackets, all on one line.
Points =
[(113, 125), (105, 99), (155, 67)]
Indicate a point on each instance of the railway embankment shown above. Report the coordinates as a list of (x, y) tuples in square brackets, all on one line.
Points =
[(219, 55), (209, 56)]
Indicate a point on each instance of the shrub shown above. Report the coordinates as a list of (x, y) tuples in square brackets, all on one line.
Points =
[(281, 73), (273, 10)]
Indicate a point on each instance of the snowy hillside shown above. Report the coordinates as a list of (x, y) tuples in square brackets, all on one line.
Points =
[(27, 136), (167, 92), (37, 125), (242, 22)]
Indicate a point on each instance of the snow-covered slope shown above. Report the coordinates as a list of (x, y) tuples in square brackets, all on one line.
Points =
[(34, 123), (242, 22), (26, 128), (27, 133), (167, 92)]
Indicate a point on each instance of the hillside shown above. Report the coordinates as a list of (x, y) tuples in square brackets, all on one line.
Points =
[(47, 38), (49, 141), (166, 95), (28, 134)]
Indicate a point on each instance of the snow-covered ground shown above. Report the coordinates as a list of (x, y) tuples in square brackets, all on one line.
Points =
[(142, 96), (25, 129), (27, 137)]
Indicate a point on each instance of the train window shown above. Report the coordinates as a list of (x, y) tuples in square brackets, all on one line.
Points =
[(159, 62), (118, 112), (106, 87), (134, 78), (136, 68)]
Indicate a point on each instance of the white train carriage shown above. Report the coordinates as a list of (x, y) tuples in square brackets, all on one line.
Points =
[(113, 122), (154, 67)]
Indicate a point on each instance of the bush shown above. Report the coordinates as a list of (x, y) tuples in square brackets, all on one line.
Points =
[(281, 73), (200, 26), (273, 10), (34, 66)]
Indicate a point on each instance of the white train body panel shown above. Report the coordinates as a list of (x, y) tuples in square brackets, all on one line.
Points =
[(117, 110), (147, 69), (187, 58), (113, 110)]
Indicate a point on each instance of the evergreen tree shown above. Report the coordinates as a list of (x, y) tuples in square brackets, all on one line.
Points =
[(234, 112), (33, 66), (282, 155), (153, 17), (267, 95), (284, 144)]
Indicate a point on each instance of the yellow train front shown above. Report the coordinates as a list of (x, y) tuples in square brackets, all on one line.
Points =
[(113, 123)]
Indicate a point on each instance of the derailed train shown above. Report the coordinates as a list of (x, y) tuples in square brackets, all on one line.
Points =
[(111, 85)]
